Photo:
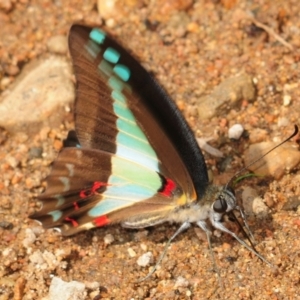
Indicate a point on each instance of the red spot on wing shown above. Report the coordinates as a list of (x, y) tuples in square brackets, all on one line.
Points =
[(101, 221), (76, 206), (73, 221), (168, 188), (84, 193), (97, 188)]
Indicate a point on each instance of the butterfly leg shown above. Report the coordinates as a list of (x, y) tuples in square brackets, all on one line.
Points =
[(203, 226), (220, 226), (184, 226)]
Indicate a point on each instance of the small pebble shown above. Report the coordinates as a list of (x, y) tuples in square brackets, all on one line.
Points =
[(181, 282), (141, 235), (58, 44), (209, 149), (258, 135), (235, 131), (6, 252), (37, 258), (108, 239), (50, 259), (131, 252), (19, 288), (29, 238), (5, 82), (260, 209), (145, 259), (292, 203), (144, 247), (37, 230), (109, 9), (12, 70), (12, 161), (71, 290), (287, 100), (217, 233), (6, 225), (92, 285), (35, 152), (6, 5), (253, 204), (283, 122), (248, 195)]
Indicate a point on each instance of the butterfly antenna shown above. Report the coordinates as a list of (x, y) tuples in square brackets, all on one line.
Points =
[(296, 130), (246, 235), (182, 228)]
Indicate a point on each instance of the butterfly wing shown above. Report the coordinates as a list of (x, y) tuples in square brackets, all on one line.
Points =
[(136, 159)]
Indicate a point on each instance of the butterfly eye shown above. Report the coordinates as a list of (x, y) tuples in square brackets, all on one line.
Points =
[(220, 205)]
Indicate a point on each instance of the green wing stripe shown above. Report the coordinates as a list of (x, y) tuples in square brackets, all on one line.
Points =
[(131, 141), (128, 184)]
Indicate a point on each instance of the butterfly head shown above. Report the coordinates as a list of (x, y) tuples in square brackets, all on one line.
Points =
[(225, 201)]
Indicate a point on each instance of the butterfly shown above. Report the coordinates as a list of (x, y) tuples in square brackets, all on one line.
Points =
[(132, 158)]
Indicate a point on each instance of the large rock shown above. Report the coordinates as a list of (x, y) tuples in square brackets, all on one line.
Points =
[(225, 96), (278, 162), (39, 96)]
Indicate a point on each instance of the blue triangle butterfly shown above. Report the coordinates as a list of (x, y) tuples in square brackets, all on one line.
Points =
[(132, 158)]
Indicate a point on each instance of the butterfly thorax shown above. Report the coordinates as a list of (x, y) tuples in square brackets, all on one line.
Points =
[(216, 201)]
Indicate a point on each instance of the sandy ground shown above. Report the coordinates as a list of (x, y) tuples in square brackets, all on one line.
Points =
[(191, 47)]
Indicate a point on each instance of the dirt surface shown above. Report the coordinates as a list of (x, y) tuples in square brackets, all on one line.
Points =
[(191, 47)]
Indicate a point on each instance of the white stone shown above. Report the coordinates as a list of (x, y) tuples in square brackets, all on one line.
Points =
[(145, 259), (61, 290), (30, 238), (208, 148), (131, 252), (287, 100), (108, 239), (181, 282), (235, 131)]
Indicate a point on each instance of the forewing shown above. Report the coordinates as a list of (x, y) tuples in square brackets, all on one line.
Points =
[(135, 161)]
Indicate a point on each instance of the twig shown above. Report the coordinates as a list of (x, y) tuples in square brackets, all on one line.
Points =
[(271, 32)]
